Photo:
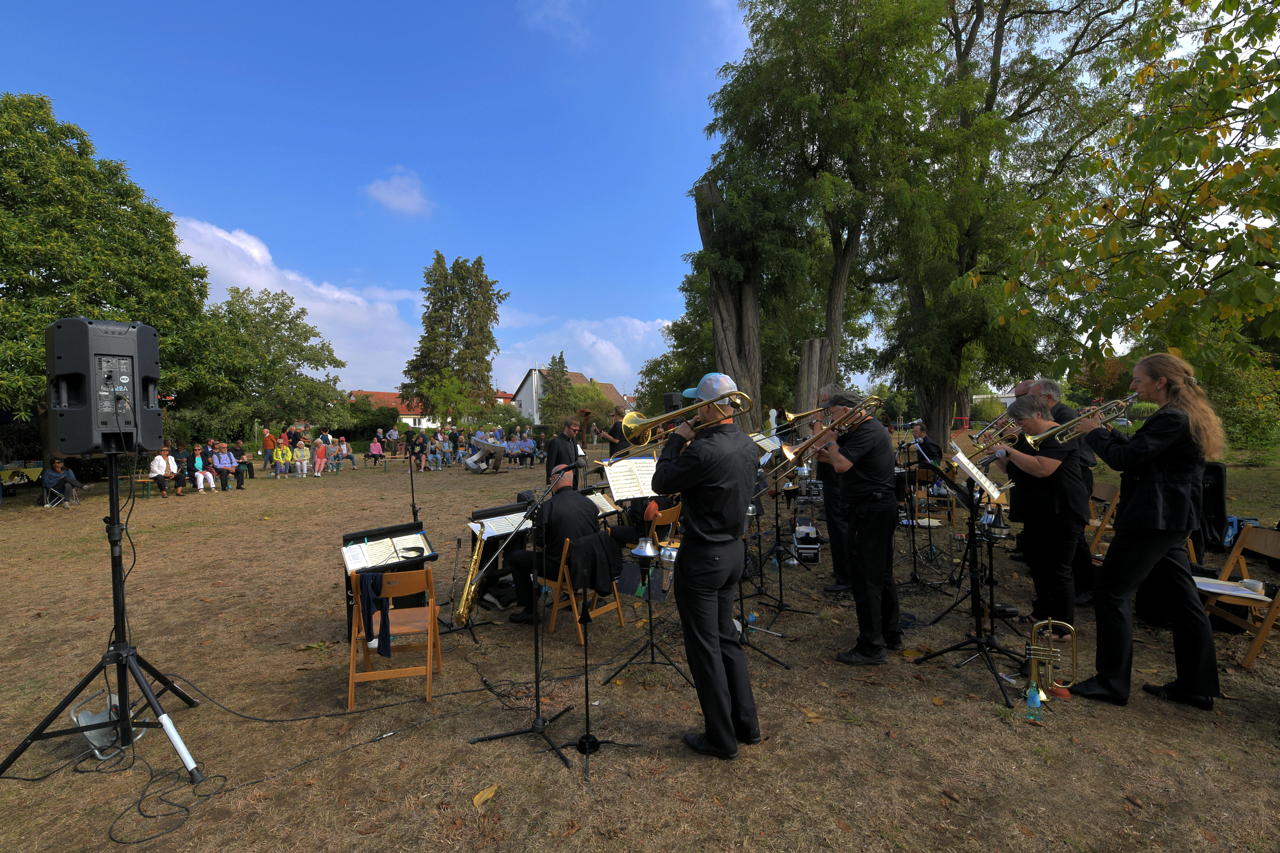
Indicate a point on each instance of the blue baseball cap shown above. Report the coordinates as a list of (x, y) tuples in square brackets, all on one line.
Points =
[(711, 386)]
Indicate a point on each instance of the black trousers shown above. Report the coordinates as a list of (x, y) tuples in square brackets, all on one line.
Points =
[(837, 532), (875, 596), (163, 482), (522, 565), (1050, 551), (1162, 554), (1082, 563), (224, 477), (706, 587)]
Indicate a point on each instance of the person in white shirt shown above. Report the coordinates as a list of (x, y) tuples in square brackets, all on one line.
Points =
[(165, 468)]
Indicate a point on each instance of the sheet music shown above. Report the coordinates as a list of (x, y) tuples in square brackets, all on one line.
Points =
[(972, 471), (631, 478), (381, 552), (500, 525), (767, 443), (603, 504)]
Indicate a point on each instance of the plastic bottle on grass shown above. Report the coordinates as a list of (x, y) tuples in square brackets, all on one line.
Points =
[(1033, 702)]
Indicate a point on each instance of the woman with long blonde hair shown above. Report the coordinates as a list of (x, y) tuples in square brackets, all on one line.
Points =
[(1161, 483)]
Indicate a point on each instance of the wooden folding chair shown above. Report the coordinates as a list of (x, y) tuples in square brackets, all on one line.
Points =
[(404, 622), (1103, 493), (1261, 609), (670, 519), (563, 595)]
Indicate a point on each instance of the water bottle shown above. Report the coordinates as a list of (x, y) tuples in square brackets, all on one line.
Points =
[(1033, 702)]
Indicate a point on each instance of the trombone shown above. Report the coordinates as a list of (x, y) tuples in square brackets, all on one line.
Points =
[(797, 454), (645, 431), (1062, 433)]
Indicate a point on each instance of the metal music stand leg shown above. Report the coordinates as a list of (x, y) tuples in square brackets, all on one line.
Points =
[(744, 637), (778, 553), (651, 644), (981, 641)]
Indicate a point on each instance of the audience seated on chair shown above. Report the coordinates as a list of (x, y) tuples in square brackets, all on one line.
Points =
[(58, 484)]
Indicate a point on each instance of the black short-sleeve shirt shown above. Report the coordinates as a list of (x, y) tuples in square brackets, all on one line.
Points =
[(1061, 494), (868, 447)]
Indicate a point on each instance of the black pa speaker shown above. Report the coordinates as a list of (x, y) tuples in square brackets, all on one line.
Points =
[(103, 378)]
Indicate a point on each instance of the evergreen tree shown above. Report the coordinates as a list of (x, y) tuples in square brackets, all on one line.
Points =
[(451, 368), (557, 401)]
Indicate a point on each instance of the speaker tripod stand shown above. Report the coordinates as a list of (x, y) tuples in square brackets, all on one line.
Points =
[(126, 661)]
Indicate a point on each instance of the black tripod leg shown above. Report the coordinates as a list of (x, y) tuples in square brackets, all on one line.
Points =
[(165, 683), (39, 733), (170, 730), (628, 663), (674, 665)]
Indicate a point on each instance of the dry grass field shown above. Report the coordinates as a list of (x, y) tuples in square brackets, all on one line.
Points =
[(239, 594)]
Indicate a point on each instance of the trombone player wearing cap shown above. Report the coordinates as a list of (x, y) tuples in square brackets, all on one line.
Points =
[(713, 469)]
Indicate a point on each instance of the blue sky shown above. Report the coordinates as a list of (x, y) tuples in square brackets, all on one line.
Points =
[(329, 150)]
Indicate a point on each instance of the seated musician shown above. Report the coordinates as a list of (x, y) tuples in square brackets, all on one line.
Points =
[(567, 514), (924, 444)]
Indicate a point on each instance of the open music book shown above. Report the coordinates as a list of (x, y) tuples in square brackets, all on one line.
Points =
[(767, 443), (499, 525), (974, 473), (382, 552), (631, 478), (604, 506)]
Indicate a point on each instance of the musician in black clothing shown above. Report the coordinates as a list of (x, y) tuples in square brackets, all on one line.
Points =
[(1161, 481), (715, 475), (1060, 413), (1054, 507), (617, 441), (835, 512), (924, 444), (862, 456), (568, 514), (563, 448)]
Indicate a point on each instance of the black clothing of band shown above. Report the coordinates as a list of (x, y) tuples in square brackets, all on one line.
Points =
[(867, 492), (714, 475), (562, 450), (928, 447), (1161, 481), (1082, 560), (1054, 512), (616, 447), (837, 521), (568, 514)]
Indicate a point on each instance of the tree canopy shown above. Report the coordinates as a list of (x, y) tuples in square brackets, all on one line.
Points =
[(455, 351), (557, 400), (79, 238)]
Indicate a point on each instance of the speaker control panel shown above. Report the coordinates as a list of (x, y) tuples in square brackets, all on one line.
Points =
[(113, 381)]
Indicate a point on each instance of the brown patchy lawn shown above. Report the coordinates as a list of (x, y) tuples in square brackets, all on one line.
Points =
[(239, 592)]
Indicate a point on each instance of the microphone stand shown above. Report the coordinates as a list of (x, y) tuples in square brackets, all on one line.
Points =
[(539, 724)]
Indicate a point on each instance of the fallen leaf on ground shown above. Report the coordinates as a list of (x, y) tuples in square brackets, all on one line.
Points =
[(842, 825), (938, 700), (569, 829), (1168, 752), (1025, 830), (909, 654), (950, 795), (1131, 798), (484, 796)]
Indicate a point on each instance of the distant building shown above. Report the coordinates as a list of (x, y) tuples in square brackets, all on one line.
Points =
[(529, 391), (503, 398), (410, 414)]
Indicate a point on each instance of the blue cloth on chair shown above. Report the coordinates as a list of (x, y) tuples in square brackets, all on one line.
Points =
[(371, 597)]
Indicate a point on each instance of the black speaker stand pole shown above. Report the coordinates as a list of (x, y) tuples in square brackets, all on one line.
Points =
[(126, 660)]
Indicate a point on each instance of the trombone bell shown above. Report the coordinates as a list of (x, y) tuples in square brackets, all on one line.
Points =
[(641, 430)]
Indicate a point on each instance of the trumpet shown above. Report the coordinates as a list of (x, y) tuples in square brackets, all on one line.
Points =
[(796, 454), (1062, 433), (644, 431)]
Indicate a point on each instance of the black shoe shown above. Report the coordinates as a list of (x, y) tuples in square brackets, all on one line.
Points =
[(836, 587), (750, 740), (854, 657), (895, 644), (698, 743), (1091, 689), (524, 617), (1173, 693), (240, 488)]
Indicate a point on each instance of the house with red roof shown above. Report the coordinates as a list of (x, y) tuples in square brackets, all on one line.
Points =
[(410, 413), (530, 389)]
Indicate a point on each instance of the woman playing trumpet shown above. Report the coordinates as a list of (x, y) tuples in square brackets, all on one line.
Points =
[(1162, 469)]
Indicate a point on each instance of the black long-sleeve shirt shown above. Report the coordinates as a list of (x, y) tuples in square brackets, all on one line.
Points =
[(562, 450), (1161, 472), (714, 475)]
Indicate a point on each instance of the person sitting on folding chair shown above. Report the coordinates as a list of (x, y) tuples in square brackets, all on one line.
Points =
[(58, 484)]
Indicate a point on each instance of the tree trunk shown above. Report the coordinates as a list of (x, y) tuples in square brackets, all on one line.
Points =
[(735, 306), (812, 364)]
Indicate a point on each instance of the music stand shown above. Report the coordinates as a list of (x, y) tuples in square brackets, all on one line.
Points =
[(981, 641), (538, 726), (780, 553), (645, 552)]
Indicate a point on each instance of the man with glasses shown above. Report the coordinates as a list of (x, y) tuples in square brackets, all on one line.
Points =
[(563, 449)]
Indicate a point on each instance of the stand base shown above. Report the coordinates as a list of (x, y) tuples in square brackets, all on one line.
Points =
[(128, 664), (537, 727), (982, 647), (652, 647)]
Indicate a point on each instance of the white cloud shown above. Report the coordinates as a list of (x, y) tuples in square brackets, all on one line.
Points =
[(400, 193), (557, 18), (363, 325), (607, 350)]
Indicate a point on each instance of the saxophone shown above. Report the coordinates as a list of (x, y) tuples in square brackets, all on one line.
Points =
[(467, 600)]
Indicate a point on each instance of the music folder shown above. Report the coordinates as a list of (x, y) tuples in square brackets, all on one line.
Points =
[(631, 478)]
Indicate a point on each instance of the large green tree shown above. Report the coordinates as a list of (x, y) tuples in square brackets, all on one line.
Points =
[(557, 401), (1177, 238), (77, 237), (455, 351), (262, 363)]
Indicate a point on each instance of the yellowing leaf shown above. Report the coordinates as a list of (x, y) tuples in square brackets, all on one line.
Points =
[(938, 700), (484, 796)]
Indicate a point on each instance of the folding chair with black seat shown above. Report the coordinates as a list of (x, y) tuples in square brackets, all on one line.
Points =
[(562, 590), (1224, 592), (401, 622)]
